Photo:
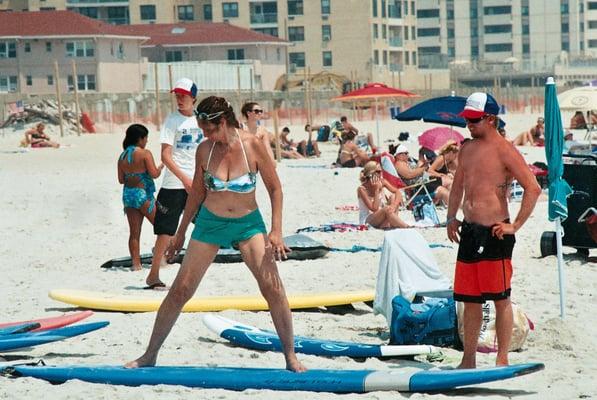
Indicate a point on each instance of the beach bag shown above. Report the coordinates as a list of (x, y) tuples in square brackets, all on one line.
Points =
[(323, 134), (431, 321), (424, 211), (488, 336)]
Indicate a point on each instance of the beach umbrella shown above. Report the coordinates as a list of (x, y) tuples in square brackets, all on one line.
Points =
[(441, 110), (582, 98), (374, 92), (558, 187), (435, 138)]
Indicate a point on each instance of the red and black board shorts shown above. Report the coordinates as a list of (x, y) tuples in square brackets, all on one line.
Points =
[(484, 265)]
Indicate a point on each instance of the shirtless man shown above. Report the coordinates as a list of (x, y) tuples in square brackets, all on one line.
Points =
[(486, 166)]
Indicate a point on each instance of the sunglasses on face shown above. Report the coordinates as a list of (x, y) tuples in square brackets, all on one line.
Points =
[(257, 111), (474, 120), (208, 117)]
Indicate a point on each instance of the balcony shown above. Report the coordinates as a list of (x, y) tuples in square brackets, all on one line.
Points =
[(394, 11), (268, 18), (395, 41)]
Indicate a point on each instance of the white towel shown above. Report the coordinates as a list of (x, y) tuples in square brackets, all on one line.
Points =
[(406, 267)]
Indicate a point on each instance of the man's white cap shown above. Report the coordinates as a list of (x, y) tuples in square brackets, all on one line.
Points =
[(479, 104), (400, 149), (185, 86)]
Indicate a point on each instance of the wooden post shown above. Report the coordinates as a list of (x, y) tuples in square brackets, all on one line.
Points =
[(306, 90), (77, 108), (240, 100), (157, 96), (58, 96), (277, 135), (310, 92), (251, 81), (172, 95)]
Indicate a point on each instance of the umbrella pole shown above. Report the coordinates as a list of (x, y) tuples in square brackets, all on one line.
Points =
[(377, 125), (560, 266)]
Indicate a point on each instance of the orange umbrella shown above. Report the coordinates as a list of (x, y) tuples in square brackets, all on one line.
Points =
[(374, 91)]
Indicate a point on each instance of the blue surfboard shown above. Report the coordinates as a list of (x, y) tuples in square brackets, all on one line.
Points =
[(20, 328), (254, 338), (317, 380), (28, 339)]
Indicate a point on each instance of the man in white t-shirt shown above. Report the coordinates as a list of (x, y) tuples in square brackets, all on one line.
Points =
[(180, 136)]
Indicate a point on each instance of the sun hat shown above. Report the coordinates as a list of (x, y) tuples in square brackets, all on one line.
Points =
[(400, 149), (479, 104), (185, 86)]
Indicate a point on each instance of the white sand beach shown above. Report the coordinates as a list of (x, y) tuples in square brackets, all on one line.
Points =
[(62, 218)]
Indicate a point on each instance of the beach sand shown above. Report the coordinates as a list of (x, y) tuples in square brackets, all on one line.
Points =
[(62, 218)]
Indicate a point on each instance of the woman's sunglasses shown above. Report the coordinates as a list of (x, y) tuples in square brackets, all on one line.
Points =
[(257, 111), (208, 117)]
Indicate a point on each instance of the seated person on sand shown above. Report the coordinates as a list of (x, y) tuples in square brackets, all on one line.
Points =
[(36, 137), (363, 141), (378, 206), (351, 155), (444, 167), (533, 137), (287, 149), (308, 147), (413, 173)]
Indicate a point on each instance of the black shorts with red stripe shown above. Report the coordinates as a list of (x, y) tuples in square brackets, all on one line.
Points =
[(484, 265)]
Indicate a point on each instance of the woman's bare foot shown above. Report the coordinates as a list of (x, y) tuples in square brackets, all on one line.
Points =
[(295, 365), (137, 267), (143, 361)]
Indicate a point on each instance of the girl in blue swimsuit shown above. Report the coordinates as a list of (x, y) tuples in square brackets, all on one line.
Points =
[(223, 201), (136, 170)]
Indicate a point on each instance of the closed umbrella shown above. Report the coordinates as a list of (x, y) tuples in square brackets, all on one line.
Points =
[(558, 187)]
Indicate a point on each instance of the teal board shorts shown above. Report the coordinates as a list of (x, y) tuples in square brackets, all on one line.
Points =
[(225, 232)]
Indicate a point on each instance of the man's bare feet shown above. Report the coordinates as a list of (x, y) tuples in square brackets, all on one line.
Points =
[(464, 365), (143, 361), (295, 365), (137, 267)]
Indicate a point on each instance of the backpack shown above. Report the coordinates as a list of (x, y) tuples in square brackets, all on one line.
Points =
[(424, 210), (431, 321)]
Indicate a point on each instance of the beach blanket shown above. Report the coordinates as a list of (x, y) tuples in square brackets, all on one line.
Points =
[(406, 266), (357, 248), (334, 227)]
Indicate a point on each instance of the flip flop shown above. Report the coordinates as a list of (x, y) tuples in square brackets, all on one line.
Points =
[(157, 286)]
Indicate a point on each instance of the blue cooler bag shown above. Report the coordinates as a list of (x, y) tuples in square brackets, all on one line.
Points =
[(432, 321)]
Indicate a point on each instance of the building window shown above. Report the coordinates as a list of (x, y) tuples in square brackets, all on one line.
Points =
[(186, 13), (384, 31), (50, 80), (47, 8), (8, 83), (295, 7), (450, 33), (80, 49), (8, 50), (564, 8), (395, 9), (376, 57), (267, 31), (84, 82), (207, 14), (524, 11), (325, 7), (27, 47), (173, 55), (497, 10), (296, 33), (592, 5), (566, 27), (432, 13), (91, 12), (375, 31), (374, 8), (298, 59), (592, 43), (49, 47), (385, 57), (566, 46), (413, 32), (525, 29), (498, 28), (236, 54), (230, 10), (326, 33), (406, 33), (118, 15), (407, 58), (119, 52), (498, 47), (383, 9), (592, 24), (29, 80), (147, 12), (423, 32), (327, 58)]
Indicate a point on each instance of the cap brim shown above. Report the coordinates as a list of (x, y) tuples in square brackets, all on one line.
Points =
[(471, 114), (181, 91)]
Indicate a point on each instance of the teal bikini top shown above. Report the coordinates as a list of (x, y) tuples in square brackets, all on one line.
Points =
[(243, 184), (144, 177)]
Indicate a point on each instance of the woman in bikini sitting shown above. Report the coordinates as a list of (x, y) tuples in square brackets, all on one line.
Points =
[(253, 114), (223, 203), (136, 171), (444, 167), (36, 137), (350, 154), (378, 206)]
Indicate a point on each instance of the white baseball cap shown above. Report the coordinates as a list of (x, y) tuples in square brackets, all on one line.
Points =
[(479, 104), (185, 86), (400, 149)]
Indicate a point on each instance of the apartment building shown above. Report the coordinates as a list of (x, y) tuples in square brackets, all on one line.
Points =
[(367, 40)]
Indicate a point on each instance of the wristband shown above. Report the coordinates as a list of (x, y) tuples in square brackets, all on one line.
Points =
[(449, 220)]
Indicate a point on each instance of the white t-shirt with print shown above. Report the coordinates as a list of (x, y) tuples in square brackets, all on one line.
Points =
[(184, 135)]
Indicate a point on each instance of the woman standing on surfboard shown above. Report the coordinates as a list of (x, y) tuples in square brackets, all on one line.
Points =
[(223, 204)]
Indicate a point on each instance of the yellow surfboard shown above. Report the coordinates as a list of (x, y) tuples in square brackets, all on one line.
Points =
[(119, 302)]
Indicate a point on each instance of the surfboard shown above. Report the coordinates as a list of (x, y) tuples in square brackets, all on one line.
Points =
[(317, 380), (52, 322), (117, 302), (302, 246), (11, 330), (28, 339), (254, 338)]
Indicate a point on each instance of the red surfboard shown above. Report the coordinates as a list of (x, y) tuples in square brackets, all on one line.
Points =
[(52, 322)]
